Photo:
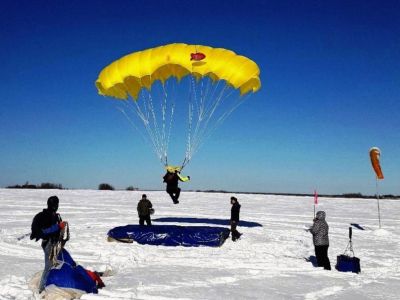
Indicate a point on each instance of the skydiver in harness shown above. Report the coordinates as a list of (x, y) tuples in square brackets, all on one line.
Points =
[(48, 226), (172, 178)]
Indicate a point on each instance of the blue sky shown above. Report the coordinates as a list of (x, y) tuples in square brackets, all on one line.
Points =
[(330, 73)]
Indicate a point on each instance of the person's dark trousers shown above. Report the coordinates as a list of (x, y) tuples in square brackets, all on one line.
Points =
[(321, 252), (174, 193), (144, 218), (235, 234)]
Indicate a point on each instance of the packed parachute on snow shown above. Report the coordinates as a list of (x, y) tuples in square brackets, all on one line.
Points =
[(206, 83)]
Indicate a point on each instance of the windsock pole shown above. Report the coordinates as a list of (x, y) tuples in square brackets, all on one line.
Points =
[(377, 198)]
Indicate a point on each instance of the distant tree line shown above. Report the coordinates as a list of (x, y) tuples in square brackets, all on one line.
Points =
[(44, 185), (109, 187), (49, 185)]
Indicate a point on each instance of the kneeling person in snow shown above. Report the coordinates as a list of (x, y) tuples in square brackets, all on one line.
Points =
[(46, 225), (145, 209), (235, 210), (319, 231)]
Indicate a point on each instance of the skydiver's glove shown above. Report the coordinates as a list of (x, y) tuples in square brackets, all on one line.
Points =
[(188, 177), (62, 225)]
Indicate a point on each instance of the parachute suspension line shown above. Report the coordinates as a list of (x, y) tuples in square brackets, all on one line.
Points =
[(192, 102), (167, 132), (197, 100), (57, 247), (131, 122), (203, 102), (163, 112), (224, 116), (202, 133), (156, 129), (146, 124), (156, 132), (145, 138), (196, 104), (189, 135)]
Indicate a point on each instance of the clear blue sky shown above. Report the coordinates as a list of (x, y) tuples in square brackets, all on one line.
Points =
[(331, 86)]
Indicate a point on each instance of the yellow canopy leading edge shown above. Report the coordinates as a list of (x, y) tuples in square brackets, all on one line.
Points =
[(129, 74)]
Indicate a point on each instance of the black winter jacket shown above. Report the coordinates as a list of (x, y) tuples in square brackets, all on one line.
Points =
[(171, 179), (235, 210), (42, 221)]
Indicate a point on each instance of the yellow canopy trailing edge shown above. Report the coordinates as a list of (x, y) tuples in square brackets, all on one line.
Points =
[(129, 74)]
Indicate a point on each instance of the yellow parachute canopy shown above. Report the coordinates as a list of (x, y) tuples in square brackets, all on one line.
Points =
[(129, 74), (375, 154), (172, 169)]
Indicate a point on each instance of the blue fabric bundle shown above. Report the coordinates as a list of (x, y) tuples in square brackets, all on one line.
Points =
[(69, 275)]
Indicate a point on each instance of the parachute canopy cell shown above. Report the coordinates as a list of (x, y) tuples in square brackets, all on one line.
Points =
[(129, 74)]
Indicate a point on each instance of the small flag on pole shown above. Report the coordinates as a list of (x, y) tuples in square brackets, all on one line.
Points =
[(315, 197)]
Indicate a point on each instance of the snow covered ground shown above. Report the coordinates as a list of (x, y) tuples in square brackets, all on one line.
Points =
[(267, 263)]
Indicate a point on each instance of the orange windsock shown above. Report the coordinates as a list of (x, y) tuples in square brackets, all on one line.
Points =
[(374, 154)]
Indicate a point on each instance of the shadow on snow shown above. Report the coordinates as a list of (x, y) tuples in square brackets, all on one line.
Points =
[(206, 221)]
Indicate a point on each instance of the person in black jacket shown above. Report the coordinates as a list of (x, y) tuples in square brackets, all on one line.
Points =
[(145, 209), (235, 210), (172, 178), (46, 226)]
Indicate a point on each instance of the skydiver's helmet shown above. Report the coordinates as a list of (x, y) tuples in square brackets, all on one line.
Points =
[(52, 203)]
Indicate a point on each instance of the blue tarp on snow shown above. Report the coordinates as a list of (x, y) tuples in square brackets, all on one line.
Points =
[(70, 275), (171, 235)]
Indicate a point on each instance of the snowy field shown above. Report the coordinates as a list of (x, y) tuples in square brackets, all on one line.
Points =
[(267, 263)]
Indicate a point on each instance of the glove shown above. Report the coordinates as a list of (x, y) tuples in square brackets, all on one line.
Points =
[(62, 225), (188, 177)]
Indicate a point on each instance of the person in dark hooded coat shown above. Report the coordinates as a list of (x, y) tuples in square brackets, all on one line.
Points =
[(46, 226), (235, 211), (320, 230)]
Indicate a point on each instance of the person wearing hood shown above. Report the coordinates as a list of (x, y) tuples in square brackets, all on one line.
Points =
[(320, 230), (235, 210), (46, 226)]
